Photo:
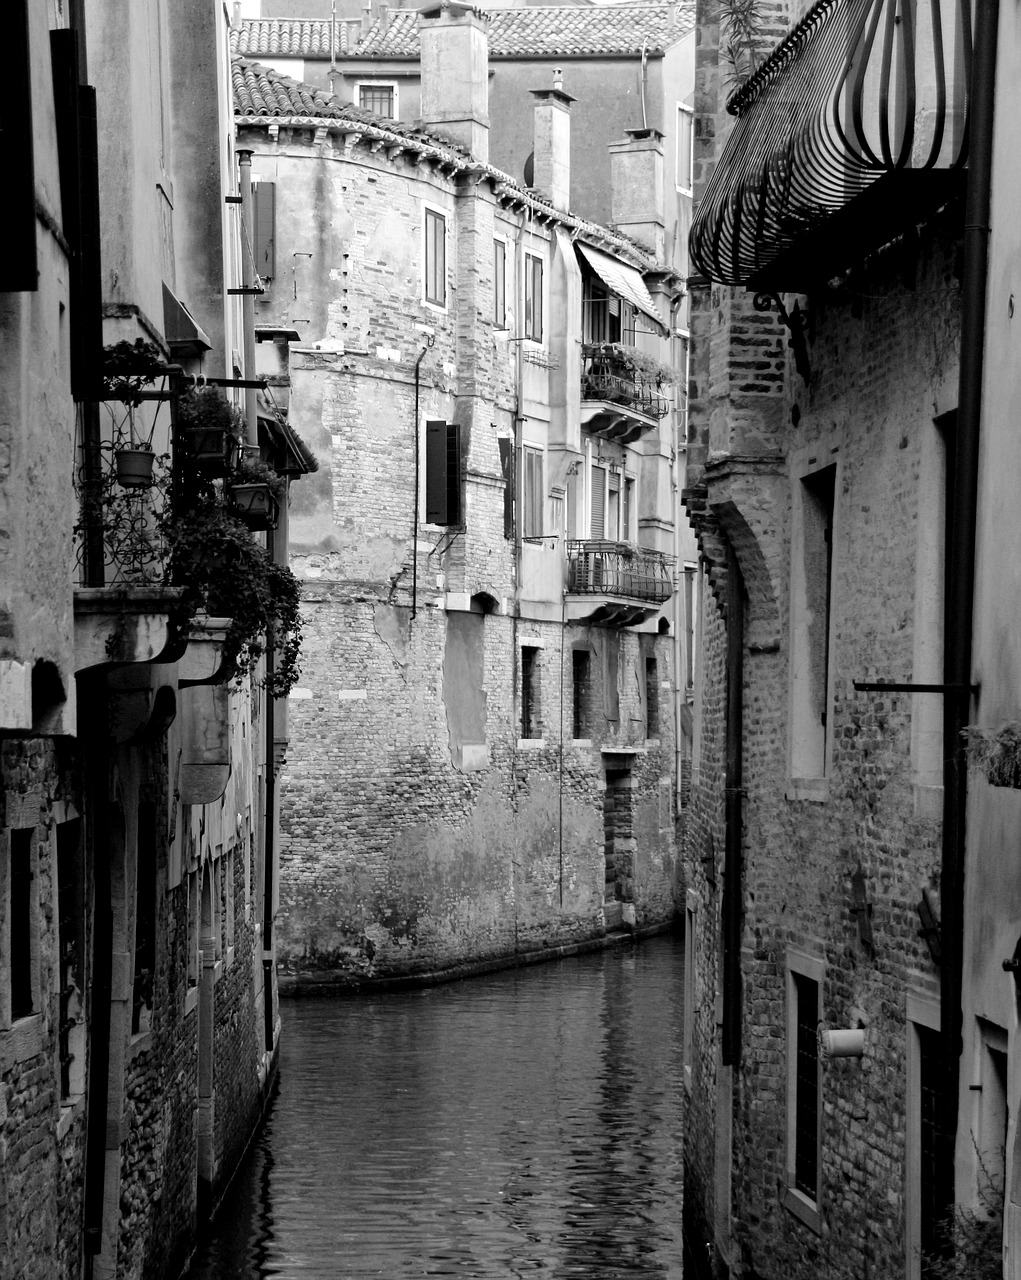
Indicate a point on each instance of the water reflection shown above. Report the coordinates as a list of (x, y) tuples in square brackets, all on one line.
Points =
[(523, 1124)]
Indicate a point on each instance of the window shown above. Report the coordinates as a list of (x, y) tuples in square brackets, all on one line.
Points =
[(70, 942), (685, 150), (690, 961), (651, 698), (500, 284), (597, 505), (690, 572), (145, 919), (581, 671), (442, 473), (21, 921), (627, 519), (435, 258), (264, 230), (533, 297), (531, 494), (613, 506), (924, 1056), (531, 725), (379, 99), (804, 984), (812, 575)]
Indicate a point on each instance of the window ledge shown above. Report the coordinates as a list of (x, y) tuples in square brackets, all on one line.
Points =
[(805, 1210), (581, 742), (230, 957), (815, 789), (141, 1042), (23, 1040), (191, 1000), (531, 744)]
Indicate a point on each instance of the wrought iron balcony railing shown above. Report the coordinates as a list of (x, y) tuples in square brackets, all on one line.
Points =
[(609, 374), (597, 567)]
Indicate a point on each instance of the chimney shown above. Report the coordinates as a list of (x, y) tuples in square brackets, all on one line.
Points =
[(455, 75), (636, 188), (551, 153)]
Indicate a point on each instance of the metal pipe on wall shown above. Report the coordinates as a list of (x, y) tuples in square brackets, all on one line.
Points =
[(248, 296), (733, 869), (960, 574)]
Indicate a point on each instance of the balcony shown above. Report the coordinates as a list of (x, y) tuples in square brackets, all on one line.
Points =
[(622, 391), (618, 584)]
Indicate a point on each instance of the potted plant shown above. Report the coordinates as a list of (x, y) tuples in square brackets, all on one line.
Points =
[(256, 492), (128, 368), (224, 573), (211, 429)]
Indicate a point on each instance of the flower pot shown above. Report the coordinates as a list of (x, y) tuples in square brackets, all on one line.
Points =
[(134, 468), (212, 449), (255, 504)]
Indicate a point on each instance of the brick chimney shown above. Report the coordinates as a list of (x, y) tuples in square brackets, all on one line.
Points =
[(455, 75), (551, 153), (636, 188)]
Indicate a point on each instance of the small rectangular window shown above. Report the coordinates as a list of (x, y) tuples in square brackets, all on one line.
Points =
[(532, 493), (533, 297), (22, 921), (377, 98), (499, 284), (685, 150), (435, 258), (805, 1052), (810, 640), (442, 473), (531, 724), (581, 669), (651, 698)]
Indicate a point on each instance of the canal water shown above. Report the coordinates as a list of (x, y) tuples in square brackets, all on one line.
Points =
[(524, 1124)]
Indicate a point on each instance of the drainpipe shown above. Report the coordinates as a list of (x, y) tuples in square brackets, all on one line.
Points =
[(733, 870), (960, 579), (418, 467), (248, 294)]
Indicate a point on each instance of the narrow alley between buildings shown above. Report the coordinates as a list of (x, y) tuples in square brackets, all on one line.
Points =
[(529, 1122)]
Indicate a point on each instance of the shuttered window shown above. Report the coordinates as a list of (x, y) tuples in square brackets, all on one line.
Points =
[(532, 494), (597, 522), (806, 1084), (533, 297), (442, 473), (435, 258)]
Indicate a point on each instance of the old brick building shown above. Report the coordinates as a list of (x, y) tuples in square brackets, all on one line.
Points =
[(851, 897), (482, 746), (138, 1019)]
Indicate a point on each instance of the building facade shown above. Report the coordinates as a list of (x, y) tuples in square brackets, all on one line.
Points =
[(138, 1018), (482, 748), (850, 1023)]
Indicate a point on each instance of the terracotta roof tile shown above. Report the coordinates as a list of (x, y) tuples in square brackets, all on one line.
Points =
[(551, 31)]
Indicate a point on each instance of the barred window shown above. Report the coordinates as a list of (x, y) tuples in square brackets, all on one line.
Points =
[(377, 98)]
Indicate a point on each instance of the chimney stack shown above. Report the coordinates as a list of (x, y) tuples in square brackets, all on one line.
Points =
[(551, 146), (636, 188), (455, 75)]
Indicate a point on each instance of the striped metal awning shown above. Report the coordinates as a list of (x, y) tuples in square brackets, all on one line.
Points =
[(622, 280), (855, 121)]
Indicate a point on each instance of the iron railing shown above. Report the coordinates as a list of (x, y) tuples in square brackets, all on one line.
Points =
[(598, 567), (609, 376)]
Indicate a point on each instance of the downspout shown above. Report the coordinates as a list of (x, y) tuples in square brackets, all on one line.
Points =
[(414, 497), (248, 295), (960, 573), (733, 871)]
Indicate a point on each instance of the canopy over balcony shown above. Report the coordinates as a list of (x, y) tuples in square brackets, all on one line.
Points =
[(853, 128)]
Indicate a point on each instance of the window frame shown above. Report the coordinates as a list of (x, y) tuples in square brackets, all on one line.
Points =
[(371, 84), (431, 215), (500, 257), (530, 693), (687, 114), (534, 266), (797, 1201), (533, 495), (923, 1015)]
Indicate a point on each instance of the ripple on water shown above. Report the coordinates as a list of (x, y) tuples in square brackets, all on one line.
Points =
[(527, 1123)]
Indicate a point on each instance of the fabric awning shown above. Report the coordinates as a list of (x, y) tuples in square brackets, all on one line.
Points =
[(623, 280), (860, 94)]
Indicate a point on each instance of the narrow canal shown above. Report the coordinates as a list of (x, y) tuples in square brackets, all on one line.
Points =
[(528, 1123)]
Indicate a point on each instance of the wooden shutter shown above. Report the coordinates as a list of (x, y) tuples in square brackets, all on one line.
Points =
[(442, 473), (507, 468), (264, 231), (597, 523)]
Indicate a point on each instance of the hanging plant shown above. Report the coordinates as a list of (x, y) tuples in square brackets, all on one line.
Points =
[(638, 364), (256, 492), (226, 574), (128, 368), (997, 752), (211, 427)]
